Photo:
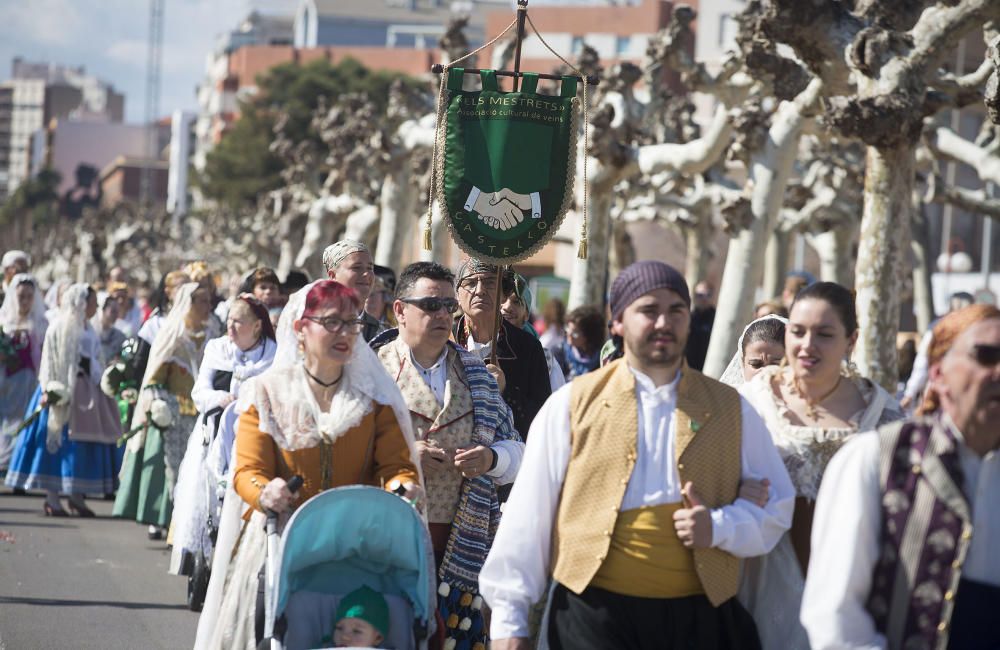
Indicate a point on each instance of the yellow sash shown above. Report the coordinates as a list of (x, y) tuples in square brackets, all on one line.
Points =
[(646, 559)]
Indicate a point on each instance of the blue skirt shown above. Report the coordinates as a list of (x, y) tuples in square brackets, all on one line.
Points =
[(76, 467)]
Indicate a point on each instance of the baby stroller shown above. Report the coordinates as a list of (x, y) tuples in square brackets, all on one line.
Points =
[(336, 542)]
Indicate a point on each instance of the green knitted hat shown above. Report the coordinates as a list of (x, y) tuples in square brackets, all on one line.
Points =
[(368, 605)]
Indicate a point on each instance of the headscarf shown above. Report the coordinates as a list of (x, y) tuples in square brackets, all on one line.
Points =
[(733, 375), (945, 333), (337, 252), (61, 357), (12, 257), (636, 280), (10, 316)]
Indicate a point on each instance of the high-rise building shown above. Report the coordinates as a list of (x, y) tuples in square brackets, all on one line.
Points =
[(37, 93)]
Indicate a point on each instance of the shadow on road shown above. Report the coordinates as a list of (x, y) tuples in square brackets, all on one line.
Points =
[(57, 602)]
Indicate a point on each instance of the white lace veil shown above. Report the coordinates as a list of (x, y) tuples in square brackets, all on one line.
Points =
[(172, 342), (61, 357), (364, 382), (733, 375), (10, 317)]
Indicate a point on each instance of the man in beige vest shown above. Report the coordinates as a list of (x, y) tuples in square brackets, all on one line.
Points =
[(628, 496), (465, 437)]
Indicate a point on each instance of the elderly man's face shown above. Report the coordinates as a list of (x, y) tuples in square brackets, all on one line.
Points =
[(968, 381), (476, 293)]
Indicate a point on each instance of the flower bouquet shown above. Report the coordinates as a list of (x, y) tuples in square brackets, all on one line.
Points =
[(158, 415), (55, 393)]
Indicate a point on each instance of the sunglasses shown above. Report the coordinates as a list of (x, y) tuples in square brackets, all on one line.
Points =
[(431, 304), (334, 325), (986, 355)]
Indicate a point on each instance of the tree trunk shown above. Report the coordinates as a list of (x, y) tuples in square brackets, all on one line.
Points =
[(923, 296), (770, 171), (623, 253), (697, 239), (396, 203), (885, 229), (439, 237), (835, 254), (775, 264), (590, 276)]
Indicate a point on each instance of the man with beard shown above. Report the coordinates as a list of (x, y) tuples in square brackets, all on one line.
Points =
[(907, 523), (630, 482), (465, 436), (524, 379)]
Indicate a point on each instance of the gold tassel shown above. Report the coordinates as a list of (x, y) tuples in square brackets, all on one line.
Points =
[(581, 252), (427, 239)]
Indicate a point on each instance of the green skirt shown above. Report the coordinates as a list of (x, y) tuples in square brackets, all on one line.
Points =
[(143, 494)]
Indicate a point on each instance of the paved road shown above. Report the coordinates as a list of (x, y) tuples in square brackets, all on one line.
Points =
[(85, 583)]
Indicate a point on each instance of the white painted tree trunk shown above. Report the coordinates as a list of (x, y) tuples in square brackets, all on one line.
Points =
[(882, 258), (697, 238), (834, 250), (396, 203), (770, 172), (590, 276), (361, 224), (775, 264)]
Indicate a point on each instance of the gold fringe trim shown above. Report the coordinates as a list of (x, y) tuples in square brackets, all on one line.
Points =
[(581, 252), (427, 239)]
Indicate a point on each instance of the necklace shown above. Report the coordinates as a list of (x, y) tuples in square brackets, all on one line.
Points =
[(810, 403), (320, 381)]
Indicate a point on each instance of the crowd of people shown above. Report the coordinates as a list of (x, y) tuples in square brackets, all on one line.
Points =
[(582, 483)]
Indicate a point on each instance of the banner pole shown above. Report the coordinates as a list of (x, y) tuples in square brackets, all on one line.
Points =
[(496, 316), (522, 13)]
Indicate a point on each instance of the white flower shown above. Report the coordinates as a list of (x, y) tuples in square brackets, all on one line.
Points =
[(477, 602), (465, 624), (450, 644), (160, 415), (444, 589), (56, 392)]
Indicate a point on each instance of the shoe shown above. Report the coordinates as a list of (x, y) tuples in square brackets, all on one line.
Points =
[(80, 509), (155, 533), (51, 511)]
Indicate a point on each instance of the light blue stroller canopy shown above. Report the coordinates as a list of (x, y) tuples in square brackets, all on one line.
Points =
[(347, 537)]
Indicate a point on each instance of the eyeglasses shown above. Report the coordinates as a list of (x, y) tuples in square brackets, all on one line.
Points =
[(471, 283), (334, 325), (986, 355), (430, 304)]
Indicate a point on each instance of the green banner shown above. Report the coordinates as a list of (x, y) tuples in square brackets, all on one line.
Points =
[(508, 166)]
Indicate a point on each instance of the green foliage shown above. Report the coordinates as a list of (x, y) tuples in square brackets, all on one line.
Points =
[(36, 198), (241, 167)]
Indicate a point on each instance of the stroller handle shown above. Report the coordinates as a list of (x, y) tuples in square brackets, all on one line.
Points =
[(271, 528)]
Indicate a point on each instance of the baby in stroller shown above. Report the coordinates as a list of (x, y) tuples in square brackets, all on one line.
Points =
[(362, 620)]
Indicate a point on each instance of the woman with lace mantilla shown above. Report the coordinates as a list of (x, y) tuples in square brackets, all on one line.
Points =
[(326, 411), (812, 403)]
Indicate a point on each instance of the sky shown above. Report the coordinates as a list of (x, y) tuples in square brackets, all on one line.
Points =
[(109, 37)]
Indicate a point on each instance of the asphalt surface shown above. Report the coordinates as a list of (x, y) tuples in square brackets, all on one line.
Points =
[(85, 583)]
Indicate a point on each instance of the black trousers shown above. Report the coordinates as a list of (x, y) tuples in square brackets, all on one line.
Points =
[(974, 620), (601, 620)]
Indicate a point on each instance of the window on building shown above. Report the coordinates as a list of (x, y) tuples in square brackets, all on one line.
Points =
[(622, 45), (577, 46)]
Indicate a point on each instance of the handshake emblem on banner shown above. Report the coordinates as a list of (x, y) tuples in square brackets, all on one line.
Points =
[(503, 209)]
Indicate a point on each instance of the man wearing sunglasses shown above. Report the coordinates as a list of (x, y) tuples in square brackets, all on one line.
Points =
[(907, 526), (466, 438)]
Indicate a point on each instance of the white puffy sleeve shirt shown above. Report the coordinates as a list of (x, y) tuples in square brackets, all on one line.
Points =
[(516, 572)]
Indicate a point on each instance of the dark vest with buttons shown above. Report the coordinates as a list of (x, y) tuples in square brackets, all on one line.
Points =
[(926, 532), (604, 425)]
